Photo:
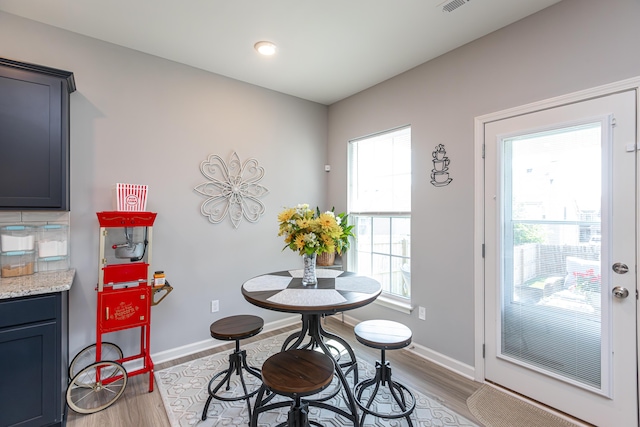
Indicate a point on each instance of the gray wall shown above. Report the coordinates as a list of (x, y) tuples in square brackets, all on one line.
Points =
[(573, 45), (137, 118), (140, 119)]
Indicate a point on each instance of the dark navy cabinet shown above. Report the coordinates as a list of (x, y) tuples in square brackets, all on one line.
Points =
[(34, 136), (33, 360)]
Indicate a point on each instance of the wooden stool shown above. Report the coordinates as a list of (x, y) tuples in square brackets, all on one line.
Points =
[(296, 374), (234, 328), (384, 335)]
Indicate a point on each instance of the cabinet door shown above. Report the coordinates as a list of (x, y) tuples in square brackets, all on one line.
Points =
[(28, 363), (34, 138)]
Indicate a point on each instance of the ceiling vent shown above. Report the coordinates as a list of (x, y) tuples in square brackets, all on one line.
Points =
[(453, 5)]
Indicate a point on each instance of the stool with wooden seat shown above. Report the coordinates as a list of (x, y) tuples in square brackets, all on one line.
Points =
[(296, 374), (384, 335), (234, 328)]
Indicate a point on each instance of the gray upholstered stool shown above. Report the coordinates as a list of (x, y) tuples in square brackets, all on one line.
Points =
[(384, 335), (234, 328), (296, 374)]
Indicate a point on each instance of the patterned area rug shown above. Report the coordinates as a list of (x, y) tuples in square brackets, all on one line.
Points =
[(184, 392)]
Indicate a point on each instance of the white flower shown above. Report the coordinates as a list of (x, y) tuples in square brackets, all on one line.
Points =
[(310, 238)]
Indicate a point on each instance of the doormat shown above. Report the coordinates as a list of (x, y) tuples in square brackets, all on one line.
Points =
[(497, 409), (184, 392)]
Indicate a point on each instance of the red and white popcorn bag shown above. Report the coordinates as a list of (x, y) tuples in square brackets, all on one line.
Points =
[(131, 197)]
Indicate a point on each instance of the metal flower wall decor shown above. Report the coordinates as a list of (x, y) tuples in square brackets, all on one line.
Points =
[(232, 189)]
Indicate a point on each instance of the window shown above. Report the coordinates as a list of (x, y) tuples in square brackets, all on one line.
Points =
[(380, 209)]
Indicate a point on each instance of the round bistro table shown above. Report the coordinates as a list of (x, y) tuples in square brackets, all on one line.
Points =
[(336, 291)]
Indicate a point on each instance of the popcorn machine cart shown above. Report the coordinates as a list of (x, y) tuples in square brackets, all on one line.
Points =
[(125, 294)]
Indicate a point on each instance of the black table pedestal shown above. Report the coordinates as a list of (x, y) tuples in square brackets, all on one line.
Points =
[(318, 337)]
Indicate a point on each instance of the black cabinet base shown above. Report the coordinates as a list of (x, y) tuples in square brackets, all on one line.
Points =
[(33, 360)]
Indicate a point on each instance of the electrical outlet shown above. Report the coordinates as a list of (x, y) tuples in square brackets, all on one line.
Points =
[(422, 313), (215, 306)]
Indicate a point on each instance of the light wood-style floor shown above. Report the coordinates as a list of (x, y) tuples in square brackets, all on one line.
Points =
[(139, 408)]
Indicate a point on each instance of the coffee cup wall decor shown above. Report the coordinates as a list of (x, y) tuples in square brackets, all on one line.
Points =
[(440, 172)]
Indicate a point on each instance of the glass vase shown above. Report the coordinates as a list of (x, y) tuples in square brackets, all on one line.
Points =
[(309, 270)]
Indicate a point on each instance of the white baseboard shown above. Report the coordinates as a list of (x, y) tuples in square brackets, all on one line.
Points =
[(351, 321), (442, 360), (419, 350), (186, 350), (430, 355)]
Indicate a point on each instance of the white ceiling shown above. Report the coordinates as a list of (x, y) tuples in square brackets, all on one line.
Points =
[(327, 49)]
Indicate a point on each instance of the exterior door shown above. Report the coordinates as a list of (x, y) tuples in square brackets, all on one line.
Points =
[(560, 230)]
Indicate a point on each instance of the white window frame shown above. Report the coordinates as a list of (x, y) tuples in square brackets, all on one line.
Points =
[(388, 299)]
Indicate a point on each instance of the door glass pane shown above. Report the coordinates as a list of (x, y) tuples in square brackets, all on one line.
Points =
[(551, 317)]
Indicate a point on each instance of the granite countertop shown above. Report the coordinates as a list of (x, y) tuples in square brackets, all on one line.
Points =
[(36, 283)]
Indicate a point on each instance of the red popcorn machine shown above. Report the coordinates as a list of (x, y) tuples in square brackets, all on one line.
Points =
[(125, 295)]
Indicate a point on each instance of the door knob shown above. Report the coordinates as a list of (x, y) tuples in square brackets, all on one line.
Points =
[(620, 292), (620, 268)]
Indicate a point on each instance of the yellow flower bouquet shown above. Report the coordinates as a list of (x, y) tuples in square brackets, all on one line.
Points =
[(311, 232)]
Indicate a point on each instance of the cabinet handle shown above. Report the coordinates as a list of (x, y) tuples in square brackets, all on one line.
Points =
[(107, 313)]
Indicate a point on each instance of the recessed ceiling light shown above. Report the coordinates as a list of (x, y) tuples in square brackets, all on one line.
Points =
[(265, 48)]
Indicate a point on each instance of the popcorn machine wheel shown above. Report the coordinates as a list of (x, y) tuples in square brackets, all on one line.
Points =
[(125, 296)]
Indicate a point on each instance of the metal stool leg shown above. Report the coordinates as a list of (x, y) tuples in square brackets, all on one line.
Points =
[(237, 361), (298, 415), (397, 391)]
